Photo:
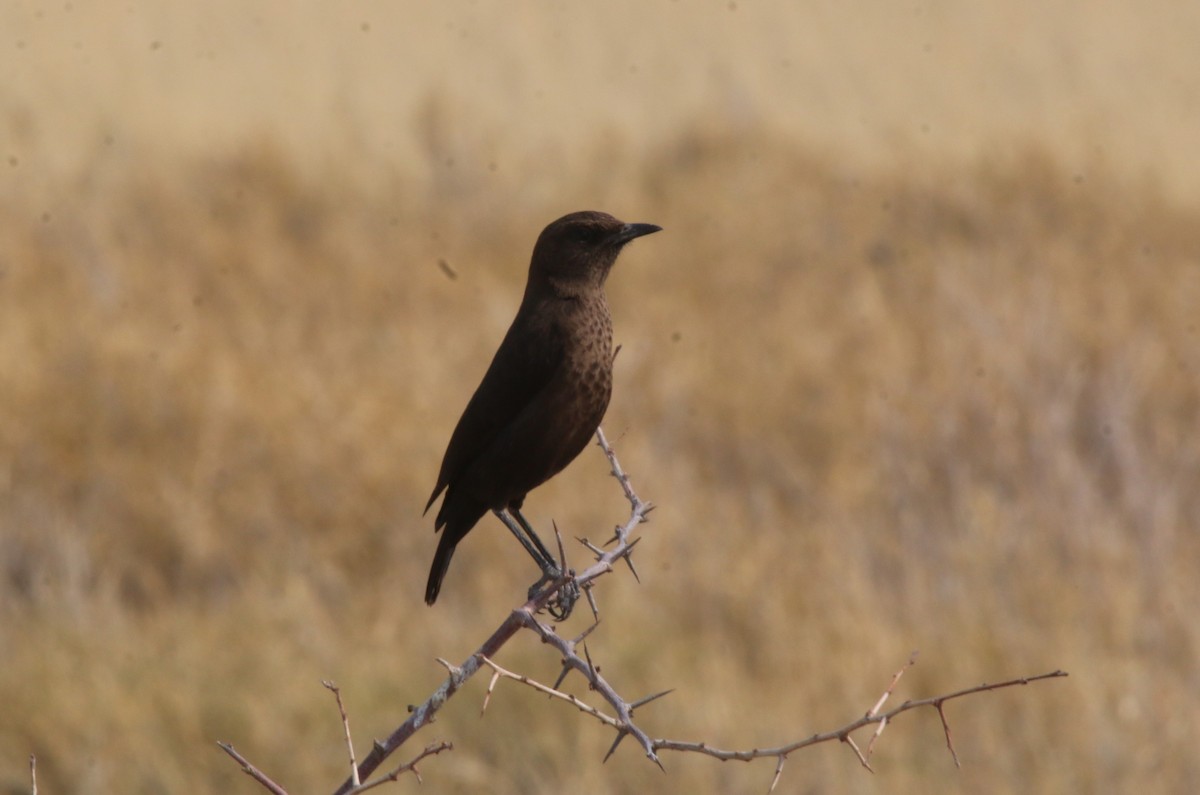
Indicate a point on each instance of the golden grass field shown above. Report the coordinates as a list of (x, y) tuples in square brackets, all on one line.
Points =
[(915, 364)]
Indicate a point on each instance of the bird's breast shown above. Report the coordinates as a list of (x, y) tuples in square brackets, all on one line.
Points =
[(589, 358)]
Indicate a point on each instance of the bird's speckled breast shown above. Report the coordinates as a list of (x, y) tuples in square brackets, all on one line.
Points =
[(590, 359)]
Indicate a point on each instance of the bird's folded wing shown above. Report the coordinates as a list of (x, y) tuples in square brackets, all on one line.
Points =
[(515, 378)]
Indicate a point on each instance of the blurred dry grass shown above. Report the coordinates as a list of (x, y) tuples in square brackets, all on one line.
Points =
[(950, 412), (943, 404)]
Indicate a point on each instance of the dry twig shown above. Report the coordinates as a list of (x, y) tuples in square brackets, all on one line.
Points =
[(624, 725), (252, 771), (843, 734), (407, 767), (621, 721), (337, 694)]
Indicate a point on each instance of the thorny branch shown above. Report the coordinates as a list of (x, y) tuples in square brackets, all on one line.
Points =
[(623, 724), (252, 771), (337, 694), (408, 767), (843, 733), (621, 721), (522, 617)]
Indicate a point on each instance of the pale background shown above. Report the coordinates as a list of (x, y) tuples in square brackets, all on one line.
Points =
[(914, 365)]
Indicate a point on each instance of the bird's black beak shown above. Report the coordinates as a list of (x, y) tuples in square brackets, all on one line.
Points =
[(630, 231)]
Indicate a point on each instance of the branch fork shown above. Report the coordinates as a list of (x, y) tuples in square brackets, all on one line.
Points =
[(619, 547)]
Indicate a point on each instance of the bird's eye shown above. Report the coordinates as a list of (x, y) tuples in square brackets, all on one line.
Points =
[(586, 234)]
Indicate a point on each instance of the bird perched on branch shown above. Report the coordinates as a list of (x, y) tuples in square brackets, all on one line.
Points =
[(544, 394)]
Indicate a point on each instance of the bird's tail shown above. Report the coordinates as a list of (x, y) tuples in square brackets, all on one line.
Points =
[(456, 518), (441, 562)]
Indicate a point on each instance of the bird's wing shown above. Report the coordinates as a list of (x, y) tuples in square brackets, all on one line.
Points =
[(522, 367), (542, 439)]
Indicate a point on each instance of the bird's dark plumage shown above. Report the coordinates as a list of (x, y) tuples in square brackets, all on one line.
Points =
[(548, 385)]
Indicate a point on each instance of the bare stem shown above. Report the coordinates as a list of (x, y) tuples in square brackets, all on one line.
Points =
[(576, 657), (252, 771)]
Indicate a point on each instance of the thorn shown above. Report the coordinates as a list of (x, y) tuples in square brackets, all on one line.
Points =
[(871, 745), (620, 736), (648, 699), (488, 696), (778, 773), (632, 568), (946, 729), (595, 550), (583, 635), (588, 655), (592, 602), (566, 669), (862, 759), (562, 553)]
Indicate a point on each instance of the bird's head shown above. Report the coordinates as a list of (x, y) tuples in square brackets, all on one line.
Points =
[(576, 252)]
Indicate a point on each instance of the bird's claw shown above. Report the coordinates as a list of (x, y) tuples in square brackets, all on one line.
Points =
[(563, 601)]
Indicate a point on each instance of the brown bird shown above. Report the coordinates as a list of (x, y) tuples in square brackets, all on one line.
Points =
[(545, 392)]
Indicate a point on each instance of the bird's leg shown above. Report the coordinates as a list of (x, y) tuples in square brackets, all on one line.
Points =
[(564, 601), (546, 557), (518, 529)]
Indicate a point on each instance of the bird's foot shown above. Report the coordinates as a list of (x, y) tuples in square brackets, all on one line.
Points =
[(563, 601)]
